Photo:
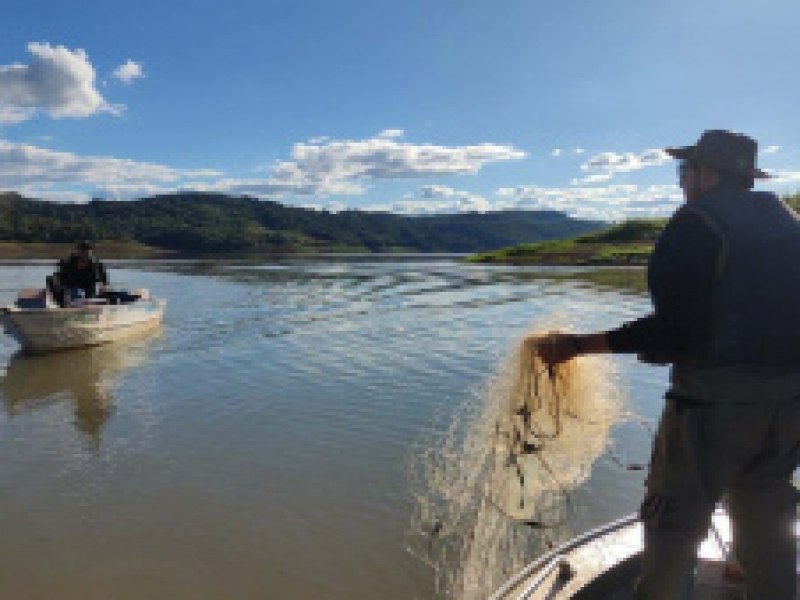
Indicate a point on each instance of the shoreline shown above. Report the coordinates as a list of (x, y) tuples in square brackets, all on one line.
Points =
[(569, 253), (594, 255), (10, 251), (55, 251)]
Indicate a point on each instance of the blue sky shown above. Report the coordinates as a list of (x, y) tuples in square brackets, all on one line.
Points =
[(413, 106)]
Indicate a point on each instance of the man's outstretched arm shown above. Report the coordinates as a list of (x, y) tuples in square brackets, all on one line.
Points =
[(680, 278)]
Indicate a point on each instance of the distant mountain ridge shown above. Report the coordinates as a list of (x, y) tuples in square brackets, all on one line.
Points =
[(216, 223)]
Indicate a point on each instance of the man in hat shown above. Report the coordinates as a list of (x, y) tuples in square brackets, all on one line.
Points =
[(725, 287), (81, 272)]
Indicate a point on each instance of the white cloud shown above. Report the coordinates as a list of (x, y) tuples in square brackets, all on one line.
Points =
[(414, 207), (771, 150), (9, 115), (129, 71), (603, 166), (24, 166), (64, 196), (329, 165), (323, 167), (58, 81), (579, 151), (608, 203), (555, 152), (594, 178), (391, 133), (458, 200), (434, 199)]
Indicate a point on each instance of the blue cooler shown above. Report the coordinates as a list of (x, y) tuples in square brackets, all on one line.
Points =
[(32, 299)]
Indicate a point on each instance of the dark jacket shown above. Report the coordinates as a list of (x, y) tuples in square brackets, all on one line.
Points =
[(71, 275), (722, 284), (756, 289)]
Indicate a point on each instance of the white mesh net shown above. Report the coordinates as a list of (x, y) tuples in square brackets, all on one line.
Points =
[(492, 488)]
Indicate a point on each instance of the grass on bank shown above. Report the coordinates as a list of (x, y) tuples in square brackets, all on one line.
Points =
[(103, 249), (628, 243)]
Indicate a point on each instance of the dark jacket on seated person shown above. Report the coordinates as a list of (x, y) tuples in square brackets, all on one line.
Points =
[(83, 273)]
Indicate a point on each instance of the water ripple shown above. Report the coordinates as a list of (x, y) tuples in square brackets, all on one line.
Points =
[(267, 431)]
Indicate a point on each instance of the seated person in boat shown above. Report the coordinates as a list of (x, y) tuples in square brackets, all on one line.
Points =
[(82, 272)]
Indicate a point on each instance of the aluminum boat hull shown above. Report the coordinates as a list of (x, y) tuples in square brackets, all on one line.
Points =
[(603, 564), (40, 331)]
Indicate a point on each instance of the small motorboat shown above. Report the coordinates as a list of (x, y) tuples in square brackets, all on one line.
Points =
[(603, 564), (40, 325)]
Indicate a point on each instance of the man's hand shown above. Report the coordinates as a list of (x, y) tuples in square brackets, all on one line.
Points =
[(556, 348)]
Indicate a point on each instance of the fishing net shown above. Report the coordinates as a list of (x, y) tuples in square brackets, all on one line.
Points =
[(492, 488)]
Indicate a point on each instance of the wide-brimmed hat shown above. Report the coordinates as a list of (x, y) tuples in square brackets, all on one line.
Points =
[(729, 152)]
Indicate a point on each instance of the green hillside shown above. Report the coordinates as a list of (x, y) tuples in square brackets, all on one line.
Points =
[(195, 223), (627, 243)]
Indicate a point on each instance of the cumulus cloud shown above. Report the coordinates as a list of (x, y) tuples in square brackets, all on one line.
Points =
[(323, 167), (608, 203), (434, 199), (24, 166), (579, 151), (455, 200), (58, 81), (603, 166), (128, 72), (555, 152), (771, 150), (318, 168)]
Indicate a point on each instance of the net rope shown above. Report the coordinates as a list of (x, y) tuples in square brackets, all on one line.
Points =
[(492, 488)]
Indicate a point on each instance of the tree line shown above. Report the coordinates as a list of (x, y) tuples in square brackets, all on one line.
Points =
[(217, 223)]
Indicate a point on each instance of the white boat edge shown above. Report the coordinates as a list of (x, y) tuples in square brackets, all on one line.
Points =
[(570, 569), (45, 330)]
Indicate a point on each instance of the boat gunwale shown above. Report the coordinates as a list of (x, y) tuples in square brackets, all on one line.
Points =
[(15, 310), (55, 329), (548, 561)]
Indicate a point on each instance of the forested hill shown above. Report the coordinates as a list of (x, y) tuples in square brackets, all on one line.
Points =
[(216, 223)]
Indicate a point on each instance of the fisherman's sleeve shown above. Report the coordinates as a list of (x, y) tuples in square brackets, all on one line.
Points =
[(64, 273), (103, 276), (681, 275)]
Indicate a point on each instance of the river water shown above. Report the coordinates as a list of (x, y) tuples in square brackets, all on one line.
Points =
[(258, 445)]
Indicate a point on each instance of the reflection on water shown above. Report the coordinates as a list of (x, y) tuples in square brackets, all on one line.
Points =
[(260, 448), (85, 377), (624, 279), (377, 276)]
